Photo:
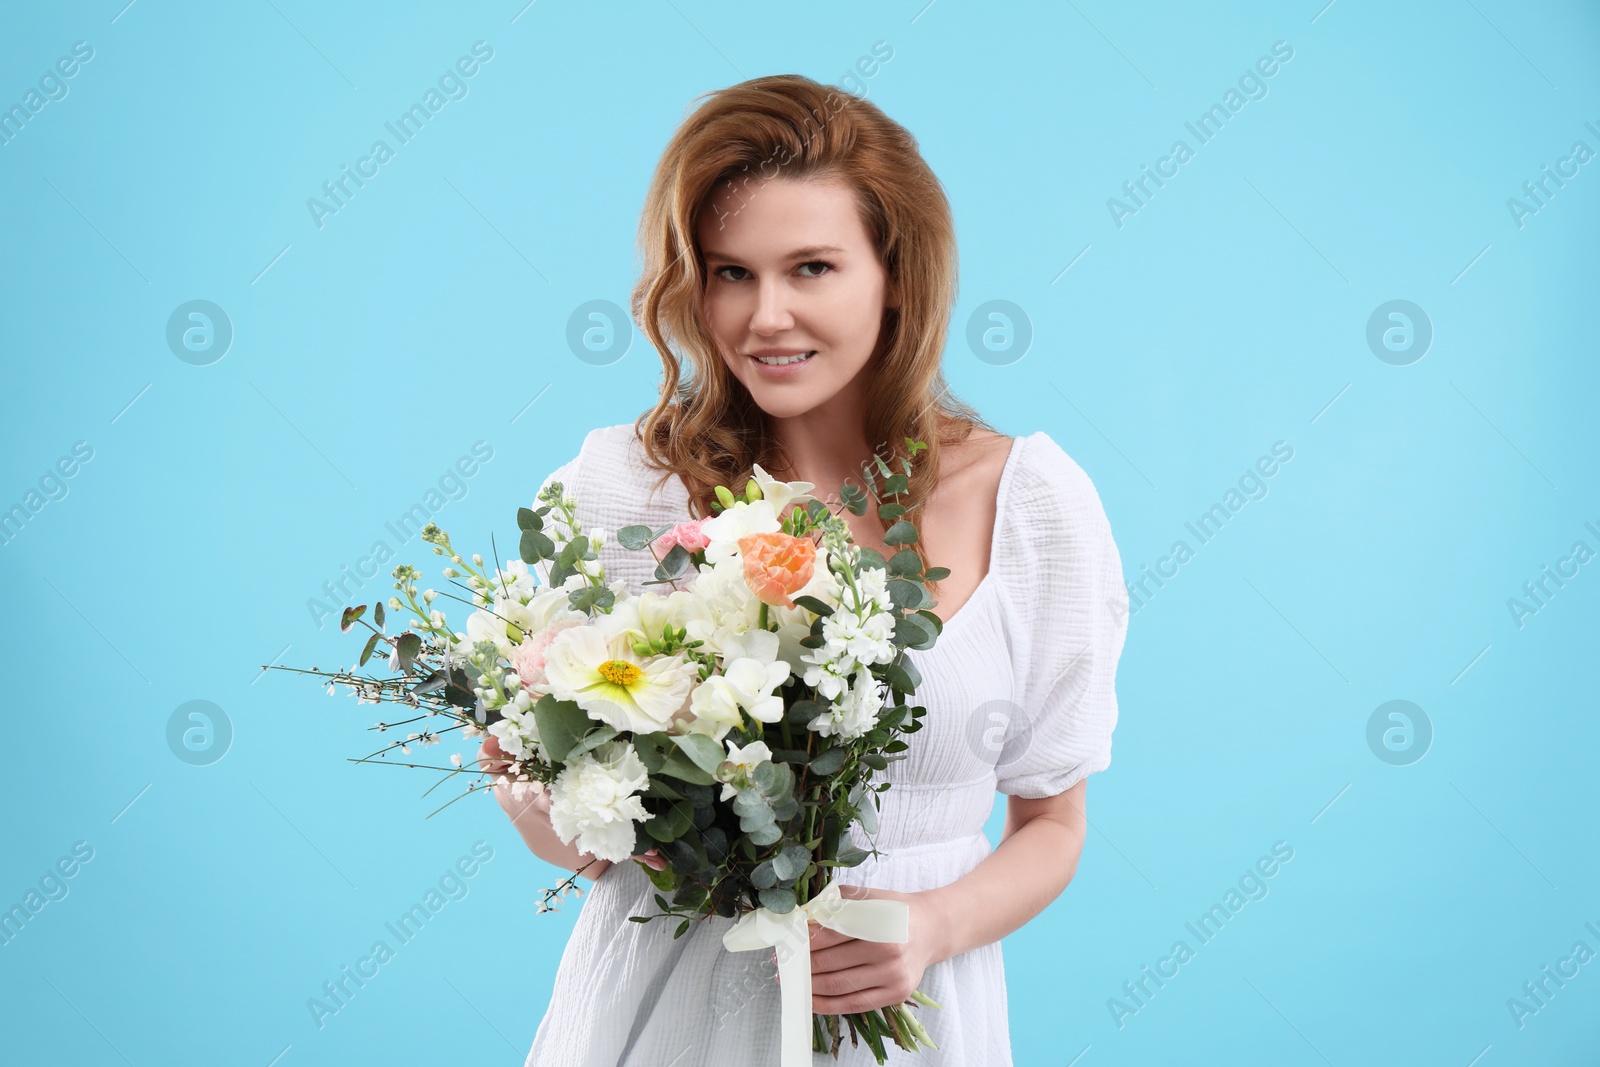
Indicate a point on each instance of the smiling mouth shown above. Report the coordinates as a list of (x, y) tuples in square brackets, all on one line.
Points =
[(781, 361)]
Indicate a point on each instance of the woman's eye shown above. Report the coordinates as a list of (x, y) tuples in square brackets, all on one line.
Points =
[(826, 266)]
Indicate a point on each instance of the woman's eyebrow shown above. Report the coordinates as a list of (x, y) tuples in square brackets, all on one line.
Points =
[(808, 252)]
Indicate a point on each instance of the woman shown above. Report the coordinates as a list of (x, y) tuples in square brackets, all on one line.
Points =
[(800, 253)]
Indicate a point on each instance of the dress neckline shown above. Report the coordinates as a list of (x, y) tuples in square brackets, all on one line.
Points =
[(1001, 496)]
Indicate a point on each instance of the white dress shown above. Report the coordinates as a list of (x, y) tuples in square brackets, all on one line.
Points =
[(1020, 698)]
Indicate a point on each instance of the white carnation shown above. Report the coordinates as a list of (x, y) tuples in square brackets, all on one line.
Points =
[(593, 800)]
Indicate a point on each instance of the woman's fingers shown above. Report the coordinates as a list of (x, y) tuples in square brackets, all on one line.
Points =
[(491, 757)]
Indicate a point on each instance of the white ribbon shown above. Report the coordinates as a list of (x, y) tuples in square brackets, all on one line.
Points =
[(867, 919)]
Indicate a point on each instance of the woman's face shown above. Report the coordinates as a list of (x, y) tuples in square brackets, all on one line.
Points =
[(791, 270)]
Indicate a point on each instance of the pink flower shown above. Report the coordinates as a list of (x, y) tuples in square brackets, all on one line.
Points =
[(686, 534), (528, 657)]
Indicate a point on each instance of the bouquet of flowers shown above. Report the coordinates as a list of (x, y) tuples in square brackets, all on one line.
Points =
[(732, 721)]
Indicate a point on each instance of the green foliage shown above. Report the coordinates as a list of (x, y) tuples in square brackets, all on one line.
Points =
[(828, 760), (901, 533), (813, 605), (562, 724), (635, 537), (704, 751), (905, 563), (677, 563)]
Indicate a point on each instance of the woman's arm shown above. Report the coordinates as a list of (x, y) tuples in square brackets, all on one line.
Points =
[(530, 814), (1035, 860)]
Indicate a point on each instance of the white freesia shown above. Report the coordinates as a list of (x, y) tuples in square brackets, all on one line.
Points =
[(781, 494), (744, 518), (592, 800), (485, 625), (753, 670), (735, 771), (715, 708), (613, 683), (749, 675)]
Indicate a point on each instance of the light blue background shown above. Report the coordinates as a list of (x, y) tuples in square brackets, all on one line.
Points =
[(1230, 312)]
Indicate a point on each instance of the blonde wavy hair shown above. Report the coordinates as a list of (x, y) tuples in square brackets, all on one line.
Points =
[(706, 427)]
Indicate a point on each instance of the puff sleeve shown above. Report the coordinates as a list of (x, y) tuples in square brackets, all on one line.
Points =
[(1065, 581)]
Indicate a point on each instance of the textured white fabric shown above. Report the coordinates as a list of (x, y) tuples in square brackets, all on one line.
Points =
[(1020, 697)]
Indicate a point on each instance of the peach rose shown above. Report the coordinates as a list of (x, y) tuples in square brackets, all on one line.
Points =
[(686, 534), (777, 565)]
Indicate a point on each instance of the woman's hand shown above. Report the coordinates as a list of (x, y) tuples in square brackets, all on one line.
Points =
[(529, 809), (852, 975)]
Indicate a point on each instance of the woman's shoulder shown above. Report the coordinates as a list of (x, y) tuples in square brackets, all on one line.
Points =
[(605, 448), (610, 474), (1050, 503), (1045, 483)]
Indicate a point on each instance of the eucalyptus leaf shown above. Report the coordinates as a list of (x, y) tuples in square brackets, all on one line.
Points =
[(592, 597), (792, 862), (854, 498), (634, 537), (706, 753), (597, 736), (907, 594), (901, 533), (778, 900), (801, 712), (851, 856), (535, 546), (671, 822), (675, 564), (677, 765), (828, 761), (905, 563), (408, 645), (910, 631), (651, 748), (870, 557), (561, 723), (765, 776), (765, 874)]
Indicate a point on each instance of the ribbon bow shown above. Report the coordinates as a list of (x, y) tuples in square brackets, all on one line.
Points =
[(866, 919)]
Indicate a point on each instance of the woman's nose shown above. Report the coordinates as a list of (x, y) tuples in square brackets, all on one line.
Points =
[(772, 309)]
